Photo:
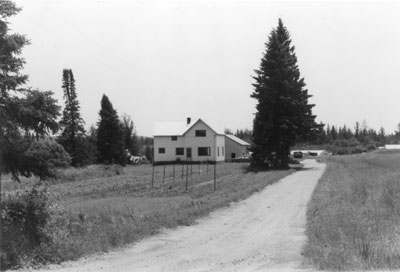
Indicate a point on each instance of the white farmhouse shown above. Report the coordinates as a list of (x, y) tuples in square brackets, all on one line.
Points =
[(187, 141)]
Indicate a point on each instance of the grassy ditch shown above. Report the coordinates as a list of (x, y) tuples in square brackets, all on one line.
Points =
[(96, 214), (353, 218)]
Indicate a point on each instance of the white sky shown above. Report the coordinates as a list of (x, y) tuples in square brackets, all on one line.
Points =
[(167, 60)]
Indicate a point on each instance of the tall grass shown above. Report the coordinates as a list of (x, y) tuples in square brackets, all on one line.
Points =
[(101, 213), (353, 218)]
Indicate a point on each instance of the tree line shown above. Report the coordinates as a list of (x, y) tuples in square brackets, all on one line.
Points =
[(345, 140)]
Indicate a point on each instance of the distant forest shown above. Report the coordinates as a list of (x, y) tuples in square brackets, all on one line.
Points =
[(339, 139)]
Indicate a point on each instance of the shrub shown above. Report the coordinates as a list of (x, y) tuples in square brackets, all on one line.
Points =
[(27, 226), (344, 147), (44, 156)]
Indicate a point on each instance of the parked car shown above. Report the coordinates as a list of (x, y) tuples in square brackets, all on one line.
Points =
[(243, 158), (298, 155)]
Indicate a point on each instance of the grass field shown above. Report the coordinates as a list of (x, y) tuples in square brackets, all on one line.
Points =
[(106, 208), (353, 218)]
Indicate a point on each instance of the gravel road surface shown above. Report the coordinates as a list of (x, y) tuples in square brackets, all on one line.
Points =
[(262, 233)]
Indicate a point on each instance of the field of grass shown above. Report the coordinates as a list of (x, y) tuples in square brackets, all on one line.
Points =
[(99, 211), (353, 218)]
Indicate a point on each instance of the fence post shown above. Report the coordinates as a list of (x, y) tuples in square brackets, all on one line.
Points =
[(183, 170), (163, 178), (215, 176), (173, 173), (152, 178), (191, 167), (187, 176)]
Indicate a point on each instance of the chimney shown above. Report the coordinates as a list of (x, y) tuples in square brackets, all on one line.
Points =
[(188, 120)]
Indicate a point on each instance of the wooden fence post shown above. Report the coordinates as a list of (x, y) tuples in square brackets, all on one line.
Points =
[(152, 178), (173, 173), (191, 167), (215, 176), (187, 176), (163, 178)]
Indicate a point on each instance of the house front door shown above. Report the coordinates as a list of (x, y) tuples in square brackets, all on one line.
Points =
[(189, 153)]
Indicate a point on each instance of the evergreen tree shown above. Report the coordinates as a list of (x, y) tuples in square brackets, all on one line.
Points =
[(244, 134), (283, 114), (110, 135), (149, 153), (20, 109), (73, 125), (130, 137), (228, 131), (38, 112)]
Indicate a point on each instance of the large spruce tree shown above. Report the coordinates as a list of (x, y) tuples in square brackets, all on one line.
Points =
[(283, 114), (73, 133), (21, 109), (110, 135)]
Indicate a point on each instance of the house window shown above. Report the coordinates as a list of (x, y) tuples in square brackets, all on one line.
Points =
[(179, 151), (200, 133), (223, 151), (174, 138), (218, 151), (161, 150), (204, 151)]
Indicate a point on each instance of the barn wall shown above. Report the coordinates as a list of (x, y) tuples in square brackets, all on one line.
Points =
[(235, 148)]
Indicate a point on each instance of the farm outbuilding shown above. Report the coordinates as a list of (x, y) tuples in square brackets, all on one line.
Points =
[(235, 147), (187, 141), (392, 146)]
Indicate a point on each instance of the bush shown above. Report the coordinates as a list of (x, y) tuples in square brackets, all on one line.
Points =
[(27, 227), (344, 147), (44, 156)]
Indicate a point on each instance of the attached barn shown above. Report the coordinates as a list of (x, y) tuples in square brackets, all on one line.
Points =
[(235, 147)]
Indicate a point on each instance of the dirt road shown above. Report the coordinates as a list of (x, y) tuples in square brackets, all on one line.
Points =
[(262, 233)]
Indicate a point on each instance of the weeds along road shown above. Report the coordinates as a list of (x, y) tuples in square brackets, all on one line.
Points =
[(262, 233)]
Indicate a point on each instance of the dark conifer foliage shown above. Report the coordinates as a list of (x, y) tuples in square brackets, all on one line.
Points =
[(72, 136), (38, 112), (110, 135), (130, 138), (283, 115), (22, 110)]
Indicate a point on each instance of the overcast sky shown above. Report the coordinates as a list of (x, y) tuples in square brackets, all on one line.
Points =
[(167, 60)]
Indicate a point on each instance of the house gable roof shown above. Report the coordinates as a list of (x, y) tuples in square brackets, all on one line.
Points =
[(177, 128), (170, 128), (237, 140), (195, 123)]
